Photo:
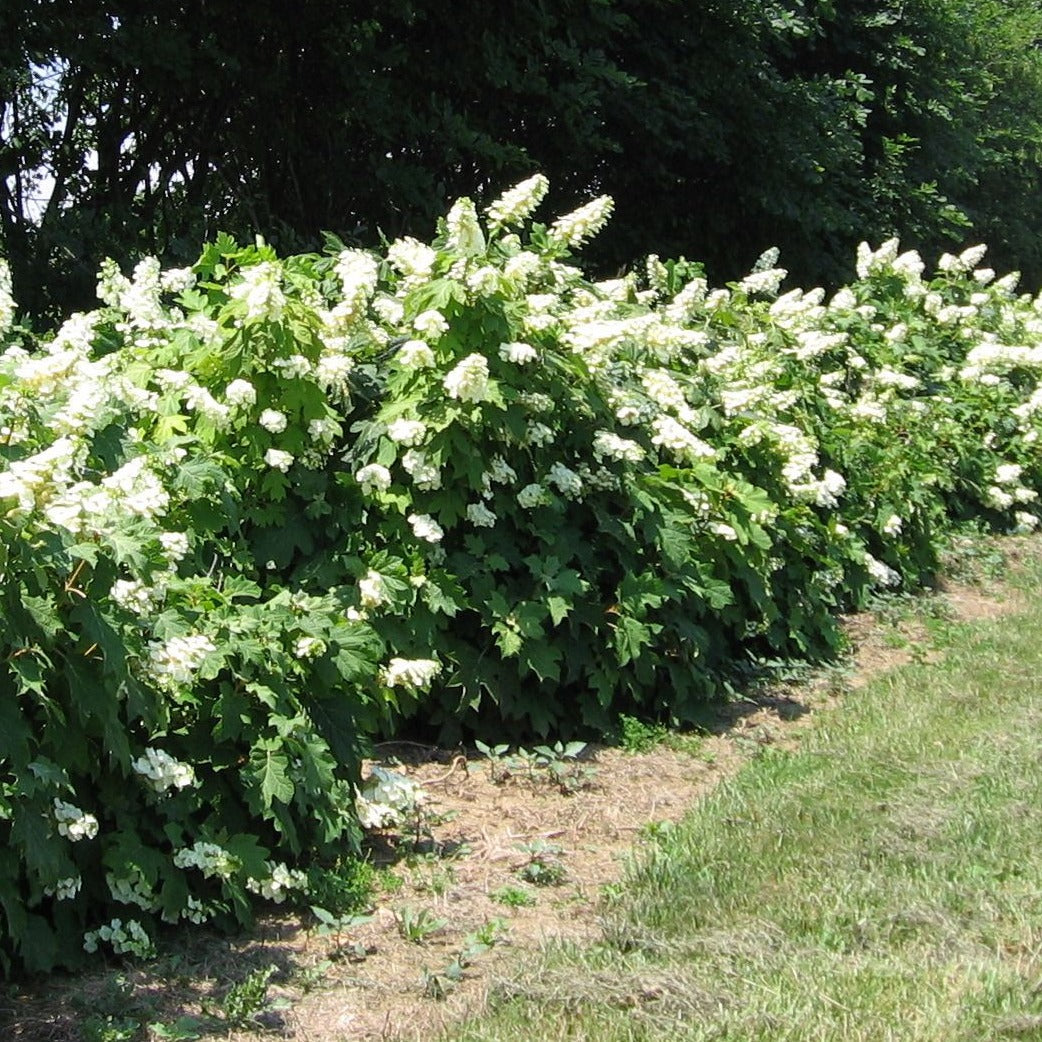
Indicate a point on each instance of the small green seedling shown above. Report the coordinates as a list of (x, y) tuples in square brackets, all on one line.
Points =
[(110, 1029), (655, 830), (635, 736), (498, 765), (311, 978), (513, 897), (560, 763), (184, 1029), (245, 1003), (438, 983), (556, 762), (330, 925), (417, 926), (543, 867), (486, 936)]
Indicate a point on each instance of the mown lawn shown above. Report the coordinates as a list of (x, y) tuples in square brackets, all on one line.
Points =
[(881, 881)]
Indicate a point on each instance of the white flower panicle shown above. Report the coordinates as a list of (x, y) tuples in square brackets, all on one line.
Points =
[(538, 434), (464, 234), (767, 260), (64, 889), (407, 432), (177, 280), (358, 272), (200, 400), (127, 938), (74, 823), (892, 525), (880, 573), (279, 883), (1008, 473), (7, 304), (135, 489), (469, 380), (536, 401), (522, 268), (674, 436), (690, 298), (870, 262), (34, 477), (480, 516), (333, 372), (415, 354), (519, 354), (766, 282), (566, 481), (499, 473), (430, 324), (162, 771), (136, 597), (582, 224), (630, 413), (608, 445), (323, 430), (426, 528), (533, 495), (307, 647), (415, 673), (1025, 522), (665, 392), (373, 590), (389, 310), (373, 478), (295, 367), (425, 474), (278, 459), (133, 889), (273, 421), (485, 281), (261, 291), (843, 300), (827, 491), (195, 911), (812, 343), (909, 266), (517, 204), (178, 659), (143, 320), (388, 799), (209, 858), (998, 498), (414, 259), (657, 274)]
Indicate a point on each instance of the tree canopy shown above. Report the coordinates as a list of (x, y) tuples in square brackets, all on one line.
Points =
[(720, 127)]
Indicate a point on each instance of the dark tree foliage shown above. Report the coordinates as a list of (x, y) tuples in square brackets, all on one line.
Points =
[(721, 127), (811, 126)]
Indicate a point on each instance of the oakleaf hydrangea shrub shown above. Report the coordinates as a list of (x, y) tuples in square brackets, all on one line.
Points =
[(260, 510), (181, 725)]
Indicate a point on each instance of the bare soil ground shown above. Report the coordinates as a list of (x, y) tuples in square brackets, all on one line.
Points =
[(482, 825)]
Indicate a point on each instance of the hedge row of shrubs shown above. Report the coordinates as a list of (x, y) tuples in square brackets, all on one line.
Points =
[(258, 511)]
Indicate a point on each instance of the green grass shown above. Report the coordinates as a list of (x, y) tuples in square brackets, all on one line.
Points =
[(882, 882)]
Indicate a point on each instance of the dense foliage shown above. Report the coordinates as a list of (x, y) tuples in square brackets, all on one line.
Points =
[(257, 511), (716, 126)]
